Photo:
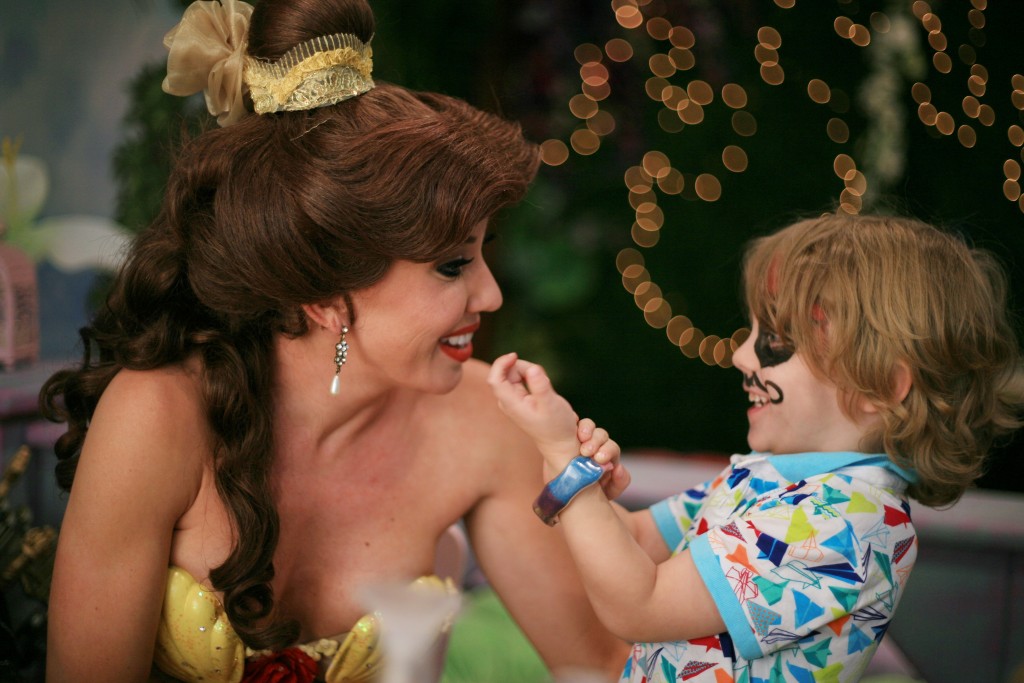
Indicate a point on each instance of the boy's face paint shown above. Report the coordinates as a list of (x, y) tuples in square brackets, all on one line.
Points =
[(770, 349), (771, 389), (809, 419)]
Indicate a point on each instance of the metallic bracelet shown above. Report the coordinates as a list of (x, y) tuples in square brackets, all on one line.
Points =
[(580, 473)]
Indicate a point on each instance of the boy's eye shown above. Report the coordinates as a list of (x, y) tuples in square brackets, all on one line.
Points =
[(770, 349), (454, 267)]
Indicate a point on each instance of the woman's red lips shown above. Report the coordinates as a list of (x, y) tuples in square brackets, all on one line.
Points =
[(459, 344)]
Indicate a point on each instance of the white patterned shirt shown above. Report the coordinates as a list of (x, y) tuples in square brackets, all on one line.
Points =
[(805, 555)]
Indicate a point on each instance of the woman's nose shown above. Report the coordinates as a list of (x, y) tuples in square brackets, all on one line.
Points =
[(486, 295)]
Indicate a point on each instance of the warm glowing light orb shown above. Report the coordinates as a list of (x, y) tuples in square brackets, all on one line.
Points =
[(684, 101)]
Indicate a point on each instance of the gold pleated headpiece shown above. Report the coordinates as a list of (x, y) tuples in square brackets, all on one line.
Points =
[(316, 73)]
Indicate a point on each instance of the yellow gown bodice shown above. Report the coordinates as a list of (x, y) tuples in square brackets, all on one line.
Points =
[(196, 642)]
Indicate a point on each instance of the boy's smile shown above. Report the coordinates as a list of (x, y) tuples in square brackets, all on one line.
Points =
[(793, 410), (772, 391)]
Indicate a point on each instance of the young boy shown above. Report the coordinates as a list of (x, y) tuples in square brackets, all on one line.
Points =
[(878, 366)]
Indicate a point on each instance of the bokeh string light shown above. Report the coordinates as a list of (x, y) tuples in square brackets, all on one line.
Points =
[(685, 101)]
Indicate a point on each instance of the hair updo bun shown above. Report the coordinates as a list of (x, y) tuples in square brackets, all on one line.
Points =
[(279, 25)]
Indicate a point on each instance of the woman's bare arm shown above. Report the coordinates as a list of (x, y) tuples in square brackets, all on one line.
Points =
[(529, 566), (140, 469), (527, 562)]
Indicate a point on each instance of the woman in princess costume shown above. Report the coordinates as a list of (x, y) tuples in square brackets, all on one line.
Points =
[(277, 404)]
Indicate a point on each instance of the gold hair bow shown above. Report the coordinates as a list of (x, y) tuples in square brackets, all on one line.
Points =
[(207, 52)]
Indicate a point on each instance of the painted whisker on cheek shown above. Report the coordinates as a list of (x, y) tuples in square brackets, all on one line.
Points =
[(773, 390), (752, 380)]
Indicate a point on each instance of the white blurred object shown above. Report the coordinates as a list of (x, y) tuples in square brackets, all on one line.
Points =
[(72, 242), (412, 617), (33, 184), (78, 242)]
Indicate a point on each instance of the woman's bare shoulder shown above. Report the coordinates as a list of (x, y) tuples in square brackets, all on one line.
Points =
[(153, 419), (476, 420), (160, 396), (473, 400)]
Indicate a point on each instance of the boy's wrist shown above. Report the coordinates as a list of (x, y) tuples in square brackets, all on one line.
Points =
[(557, 457), (580, 473), (553, 466)]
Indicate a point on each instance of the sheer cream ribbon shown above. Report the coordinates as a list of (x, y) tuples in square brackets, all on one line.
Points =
[(207, 52)]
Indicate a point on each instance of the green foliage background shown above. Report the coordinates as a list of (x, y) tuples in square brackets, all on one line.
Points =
[(565, 303)]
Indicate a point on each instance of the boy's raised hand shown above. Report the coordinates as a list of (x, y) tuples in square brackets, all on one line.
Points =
[(525, 394)]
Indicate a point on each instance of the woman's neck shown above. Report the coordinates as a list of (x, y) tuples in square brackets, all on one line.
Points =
[(306, 412)]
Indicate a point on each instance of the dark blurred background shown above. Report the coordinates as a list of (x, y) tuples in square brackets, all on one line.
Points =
[(673, 131), (925, 101)]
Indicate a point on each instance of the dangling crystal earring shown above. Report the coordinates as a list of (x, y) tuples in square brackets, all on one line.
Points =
[(340, 358)]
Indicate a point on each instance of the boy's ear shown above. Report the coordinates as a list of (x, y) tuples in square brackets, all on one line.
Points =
[(901, 383), (902, 380), (331, 316)]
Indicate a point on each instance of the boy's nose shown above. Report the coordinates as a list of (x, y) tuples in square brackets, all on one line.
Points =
[(744, 358)]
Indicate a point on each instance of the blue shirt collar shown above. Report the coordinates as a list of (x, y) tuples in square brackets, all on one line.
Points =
[(797, 466)]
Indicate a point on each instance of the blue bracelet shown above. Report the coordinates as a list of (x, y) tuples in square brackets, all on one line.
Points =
[(580, 473)]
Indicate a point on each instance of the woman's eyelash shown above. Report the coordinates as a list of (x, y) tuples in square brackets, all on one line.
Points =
[(454, 267)]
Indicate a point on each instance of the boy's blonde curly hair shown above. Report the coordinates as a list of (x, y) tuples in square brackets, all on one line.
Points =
[(866, 298)]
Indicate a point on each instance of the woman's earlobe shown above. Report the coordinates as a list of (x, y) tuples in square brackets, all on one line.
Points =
[(328, 316)]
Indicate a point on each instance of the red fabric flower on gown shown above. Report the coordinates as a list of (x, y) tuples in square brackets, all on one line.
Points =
[(290, 665)]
